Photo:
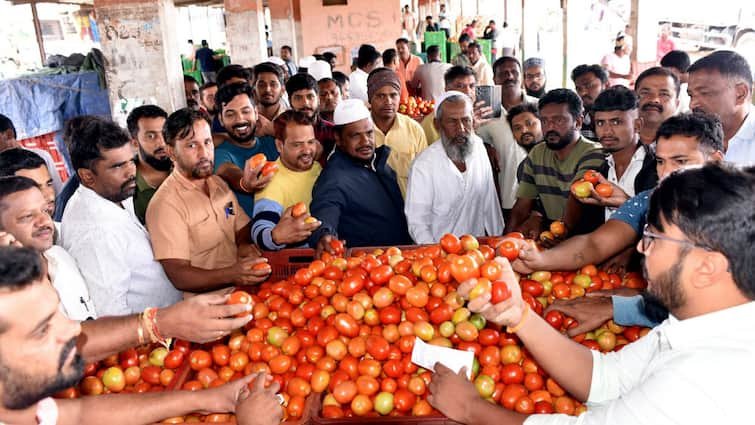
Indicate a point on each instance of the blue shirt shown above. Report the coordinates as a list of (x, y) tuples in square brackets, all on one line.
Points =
[(205, 58), (630, 311), (237, 155), (634, 211)]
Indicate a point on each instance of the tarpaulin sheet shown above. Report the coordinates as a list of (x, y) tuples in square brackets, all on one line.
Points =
[(42, 104)]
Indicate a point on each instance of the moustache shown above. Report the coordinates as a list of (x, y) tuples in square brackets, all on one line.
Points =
[(42, 230), (552, 133), (70, 346), (128, 182), (240, 125), (655, 106)]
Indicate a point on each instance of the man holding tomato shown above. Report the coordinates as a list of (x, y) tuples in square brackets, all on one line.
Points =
[(698, 260), (200, 233), (42, 352)]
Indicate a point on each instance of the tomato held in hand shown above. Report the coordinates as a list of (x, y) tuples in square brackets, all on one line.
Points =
[(299, 209), (270, 168), (499, 292), (604, 190), (592, 176), (509, 250)]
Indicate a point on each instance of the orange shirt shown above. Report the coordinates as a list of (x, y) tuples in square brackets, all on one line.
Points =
[(406, 70)]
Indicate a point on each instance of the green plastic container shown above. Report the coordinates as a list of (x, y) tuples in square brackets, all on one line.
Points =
[(436, 38), (486, 49)]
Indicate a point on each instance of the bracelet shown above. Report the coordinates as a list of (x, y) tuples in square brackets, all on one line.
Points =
[(139, 329), (241, 185), (516, 328)]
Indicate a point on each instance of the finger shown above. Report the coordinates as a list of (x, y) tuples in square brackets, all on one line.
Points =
[(439, 368), (579, 329), (225, 311), (228, 325), (259, 382), (274, 387), (213, 299), (463, 372), (479, 303)]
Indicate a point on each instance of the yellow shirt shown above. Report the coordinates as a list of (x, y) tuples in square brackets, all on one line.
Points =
[(289, 187), (406, 140), (431, 134)]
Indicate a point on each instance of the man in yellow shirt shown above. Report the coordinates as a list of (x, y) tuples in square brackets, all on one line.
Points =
[(275, 226), (402, 134)]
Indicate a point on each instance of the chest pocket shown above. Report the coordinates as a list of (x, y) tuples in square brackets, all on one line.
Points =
[(206, 235)]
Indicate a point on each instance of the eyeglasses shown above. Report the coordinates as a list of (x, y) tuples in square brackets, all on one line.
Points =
[(648, 237)]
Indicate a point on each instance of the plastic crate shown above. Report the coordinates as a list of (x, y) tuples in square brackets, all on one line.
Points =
[(437, 38), (486, 49), (287, 261), (453, 49)]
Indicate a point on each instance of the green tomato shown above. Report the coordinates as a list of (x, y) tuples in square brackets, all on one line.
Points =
[(478, 321), (384, 403), (157, 356)]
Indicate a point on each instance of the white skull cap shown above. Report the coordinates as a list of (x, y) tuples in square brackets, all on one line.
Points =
[(320, 70), (443, 97), (349, 111)]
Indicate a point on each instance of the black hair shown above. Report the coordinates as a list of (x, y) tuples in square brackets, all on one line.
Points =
[(563, 97), (180, 124), (11, 184), (204, 43), (327, 56), (712, 206), (678, 59), (520, 109), (19, 267), (190, 79), (7, 124), (616, 98), (705, 128), (91, 137), (433, 50), (367, 55), (596, 70), (464, 38), (728, 63), (301, 81), (144, 111), (270, 68), (287, 117), (503, 59), (13, 160), (457, 71), (389, 55), (340, 78), (226, 94), (231, 71), (207, 85), (287, 47), (402, 40), (73, 126), (474, 45), (658, 71)]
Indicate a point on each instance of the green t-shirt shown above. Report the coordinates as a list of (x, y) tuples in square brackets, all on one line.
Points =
[(142, 196), (545, 177)]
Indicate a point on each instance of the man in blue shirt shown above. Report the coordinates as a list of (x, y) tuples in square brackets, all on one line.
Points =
[(238, 116), (684, 140), (357, 197), (206, 58)]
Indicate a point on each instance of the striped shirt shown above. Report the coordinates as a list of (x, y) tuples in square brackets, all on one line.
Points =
[(546, 177)]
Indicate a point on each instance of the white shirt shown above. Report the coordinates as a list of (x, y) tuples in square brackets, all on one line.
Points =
[(694, 371), (115, 256), (358, 85), (440, 199), (626, 182), (620, 65), (72, 290), (483, 72), (498, 134), (430, 77), (741, 150), (683, 99)]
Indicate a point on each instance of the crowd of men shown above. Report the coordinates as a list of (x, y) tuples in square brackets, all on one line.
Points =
[(179, 206)]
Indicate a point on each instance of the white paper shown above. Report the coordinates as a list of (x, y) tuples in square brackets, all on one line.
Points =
[(426, 355)]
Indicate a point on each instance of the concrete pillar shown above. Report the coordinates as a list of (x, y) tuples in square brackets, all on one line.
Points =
[(143, 63), (296, 4), (282, 30), (245, 31), (643, 24)]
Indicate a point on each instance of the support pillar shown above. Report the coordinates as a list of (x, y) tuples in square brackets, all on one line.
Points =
[(143, 63), (245, 31), (282, 27), (643, 24)]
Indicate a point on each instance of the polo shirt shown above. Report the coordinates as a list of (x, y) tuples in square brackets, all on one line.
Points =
[(286, 189), (406, 70), (741, 147), (406, 139), (546, 177), (142, 196), (432, 135), (186, 224), (238, 155)]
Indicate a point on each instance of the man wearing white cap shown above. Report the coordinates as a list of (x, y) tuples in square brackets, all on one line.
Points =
[(320, 69), (302, 92), (357, 197), (451, 188)]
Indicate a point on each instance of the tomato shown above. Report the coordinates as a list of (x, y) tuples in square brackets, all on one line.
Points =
[(485, 385), (511, 394), (114, 379), (346, 325), (463, 267), (466, 331), (533, 381), (532, 287), (205, 376), (91, 385), (270, 168), (591, 176), (390, 315), (417, 386), (450, 243), (491, 270), (280, 364), (417, 297), (238, 361), (350, 285), (403, 400), (221, 354), (511, 354), (200, 359), (332, 412), (345, 391), (337, 246), (303, 276), (499, 292), (132, 375), (490, 356), (128, 358), (524, 405), (564, 405), (381, 274), (543, 407), (509, 250), (299, 209), (377, 347), (257, 160), (384, 403), (242, 297), (442, 313), (367, 385), (555, 318), (361, 405), (488, 337)]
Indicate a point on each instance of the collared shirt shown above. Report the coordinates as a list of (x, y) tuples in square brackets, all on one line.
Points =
[(626, 182), (186, 224), (630, 311), (72, 290), (441, 199), (286, 189), (358, 85), (229, 152), (619, 65), (483, 72), (430, 80), (406, 139), (431, 133), (461, 59), (665, 377), (741, 149), (114, 255), (406, 70), (142, 196), (634, 211), (497, 133)]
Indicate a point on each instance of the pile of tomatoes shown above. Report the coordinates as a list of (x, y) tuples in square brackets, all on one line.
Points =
[(416, 107), (343, 329)]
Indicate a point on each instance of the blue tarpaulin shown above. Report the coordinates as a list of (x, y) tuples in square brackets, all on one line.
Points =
[(42, 104)]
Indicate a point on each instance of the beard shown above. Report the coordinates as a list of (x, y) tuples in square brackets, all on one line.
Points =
[(127, 190), (562, 142), (536, 93), (458, 147), (199, 170), (528, 141), (664, 291), (22, 390), (153, 161), (242, 139)]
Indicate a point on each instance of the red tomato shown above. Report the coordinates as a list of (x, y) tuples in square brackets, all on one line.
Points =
[(238, 361), (221, 354), (532, 287), (488, 337), (377, 347), (346, 325), (463, 267), (390, 315), (345, 391), (555, 318), (174, 359), (450, 243), (591, 176), (509, 250), (512, 374), (151, 375), (403, 400), (524, 405), (350, 285), (200, 359), (129, 358), (381, 274), (499, 292)]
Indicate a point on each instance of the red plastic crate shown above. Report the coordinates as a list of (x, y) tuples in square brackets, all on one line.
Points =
[(287, 261)]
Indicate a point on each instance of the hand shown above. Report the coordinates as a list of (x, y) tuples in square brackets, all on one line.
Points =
[(530, 260), (6, 239), (243, 272), (323, 245), (264, 126), (482, 114), (505, 313), (290, 229), (252, 179), (202, 318), (618, 263), (617, 198), (590, 312), (452, 394), (549, 243), (531, 227), (259, 406), (225, 397)]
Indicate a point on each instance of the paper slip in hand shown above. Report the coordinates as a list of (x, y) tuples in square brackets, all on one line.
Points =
[(426, 355)]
